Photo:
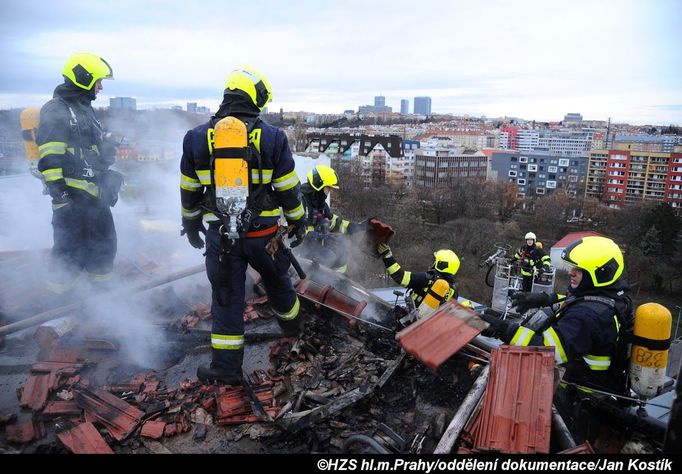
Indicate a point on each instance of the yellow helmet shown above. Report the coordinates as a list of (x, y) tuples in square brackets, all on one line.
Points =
[(321, 176), (447, 261), (250, 82), (598, 256), (84, 69)]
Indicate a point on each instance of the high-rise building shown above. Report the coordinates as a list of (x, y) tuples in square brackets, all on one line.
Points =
[(123, 103), (422, 105), (379, 101), (404, 106)]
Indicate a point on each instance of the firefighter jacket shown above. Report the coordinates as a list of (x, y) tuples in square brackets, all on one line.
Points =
[(585, 334), (531, 257), (420, 283), (73, 155), (318, 214), (276, 176)]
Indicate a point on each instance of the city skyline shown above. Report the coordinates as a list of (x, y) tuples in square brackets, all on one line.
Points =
[(606, 59)]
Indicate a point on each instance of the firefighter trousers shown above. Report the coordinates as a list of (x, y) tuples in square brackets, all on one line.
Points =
[(228, 284), (84, 239)]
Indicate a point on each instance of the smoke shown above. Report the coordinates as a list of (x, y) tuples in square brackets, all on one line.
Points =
[(147, 219)]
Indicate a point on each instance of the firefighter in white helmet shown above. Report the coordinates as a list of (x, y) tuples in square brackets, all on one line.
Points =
[(531, 258)]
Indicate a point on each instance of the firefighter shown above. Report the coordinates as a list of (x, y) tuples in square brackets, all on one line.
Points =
[(587, 331), (272, 185), (321, 221), (420, 284), (74, 161), (532, 258)]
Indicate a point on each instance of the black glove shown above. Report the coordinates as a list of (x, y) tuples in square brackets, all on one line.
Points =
[(541, 270), (362, 226), (298, 231), (384, 250), (110, 185), (497, 326), (193, 236), (524, 301)]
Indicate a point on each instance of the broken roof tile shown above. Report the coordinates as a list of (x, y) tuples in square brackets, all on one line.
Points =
[(36, 389), (84, 439), (64, 368), (434, 339), (119, 417), (25, 432), (516, 414), (62, 408), (153, 429)]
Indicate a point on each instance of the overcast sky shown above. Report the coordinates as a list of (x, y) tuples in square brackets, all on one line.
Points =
[(524, 58)]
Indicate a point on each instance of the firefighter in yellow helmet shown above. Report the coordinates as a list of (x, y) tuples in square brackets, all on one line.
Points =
[(585, 329), (273, 189), (75, 161), (532, 258), (445, 267), (324, 228)]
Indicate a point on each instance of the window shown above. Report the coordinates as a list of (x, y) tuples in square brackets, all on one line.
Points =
[(542, 175), (540, 190), (523, 159), (564, 162), (551, 184), (552, 169), (513, 158), (512, 174), (513, 166), (532, 167), (521, 182), (552, 162)]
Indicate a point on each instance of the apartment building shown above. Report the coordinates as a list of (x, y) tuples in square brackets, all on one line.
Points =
[(624, 176), (537, 173)]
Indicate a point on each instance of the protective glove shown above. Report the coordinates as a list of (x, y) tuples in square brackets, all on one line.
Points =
[(541, 270), (362, 226), (110, 185), (193, 236), (497, 326), (501, 329), (384, 250), (524, 301), (299, 231)]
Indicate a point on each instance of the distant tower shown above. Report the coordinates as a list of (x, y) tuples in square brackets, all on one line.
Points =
[(379, 101), (422, 105), (404, 106)]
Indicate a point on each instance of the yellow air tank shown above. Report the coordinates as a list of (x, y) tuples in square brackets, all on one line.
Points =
[(434, 297), (230, 168), (649, 355), (29, 120)]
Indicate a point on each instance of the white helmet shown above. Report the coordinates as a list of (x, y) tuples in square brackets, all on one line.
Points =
[(531, 235)]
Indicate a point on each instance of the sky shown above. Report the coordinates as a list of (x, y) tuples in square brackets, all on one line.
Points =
[(525, 58)]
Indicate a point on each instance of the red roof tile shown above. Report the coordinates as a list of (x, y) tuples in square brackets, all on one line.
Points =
[(516, 414), (62, 408), (119, 417), (36, 390), (153, 429), (84, 439), (434, 339), (25, 432)]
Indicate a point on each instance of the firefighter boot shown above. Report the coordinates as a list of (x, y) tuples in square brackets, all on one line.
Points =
[(226, 367), (292, 327)]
